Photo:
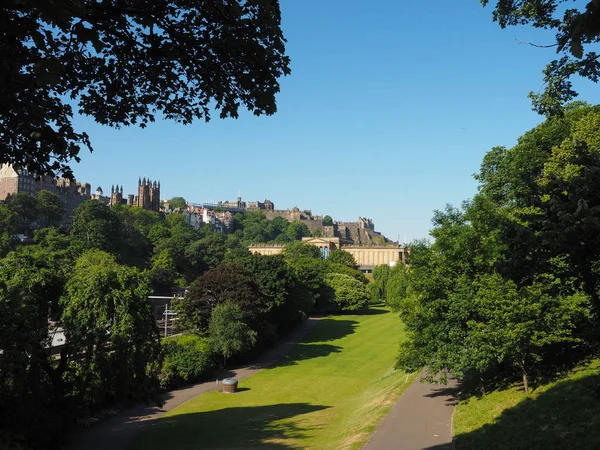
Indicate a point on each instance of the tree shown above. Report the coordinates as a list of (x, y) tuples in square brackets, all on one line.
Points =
[(276, 282), (381, 275), (229, 335), (569, 202), (8, 227), (32, 404), (177, 202), (327, 221), (24, 206), (50, 208), (296, 231), (310, 289), (298, 250), (331, 267), (577, 29), (163, 273), (225, 282), (111, 333), (95, 226), (205, 254), (396, 286), (342, 257), (122, 64), (349, 294), (134, 247)]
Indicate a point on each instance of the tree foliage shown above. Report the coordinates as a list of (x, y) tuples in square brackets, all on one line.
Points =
[(30, 381), (510, 284), (177, 202), (223, 283), (110, 330), (187, 358), (340, 256), (228, 332), (125, 63), (577, 30)]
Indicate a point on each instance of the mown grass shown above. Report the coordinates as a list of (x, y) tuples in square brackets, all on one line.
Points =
[(331, 391), (561, 415)]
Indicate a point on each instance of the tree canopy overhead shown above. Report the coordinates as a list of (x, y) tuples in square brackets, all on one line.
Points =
[(577, 28), (122, 62)]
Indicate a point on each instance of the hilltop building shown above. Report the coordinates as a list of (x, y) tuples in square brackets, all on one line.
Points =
[(148, 196), (71, 192)]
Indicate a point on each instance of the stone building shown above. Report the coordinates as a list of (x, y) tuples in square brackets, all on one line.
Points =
[(366, 256), (71, 192), (238, 205), (116, 196), (267, 205), (148, 196)]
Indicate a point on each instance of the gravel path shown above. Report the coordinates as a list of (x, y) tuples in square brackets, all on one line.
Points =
[(421, 419), (121, 431)]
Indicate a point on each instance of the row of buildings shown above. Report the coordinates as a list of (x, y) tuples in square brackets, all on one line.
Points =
[(72, 192), (220, 215)]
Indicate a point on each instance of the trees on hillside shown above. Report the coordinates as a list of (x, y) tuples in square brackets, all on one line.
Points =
[(510, 282), (123, 64), (577, 29), (110, 329)]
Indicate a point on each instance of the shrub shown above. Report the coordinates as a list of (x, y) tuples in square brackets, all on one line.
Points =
[(349, 294), (187, 358)]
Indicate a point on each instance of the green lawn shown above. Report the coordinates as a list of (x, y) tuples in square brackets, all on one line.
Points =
[(559, 415), (330, 392)]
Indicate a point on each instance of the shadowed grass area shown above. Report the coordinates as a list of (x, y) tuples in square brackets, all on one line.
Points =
[(561, 415), (330, 391)]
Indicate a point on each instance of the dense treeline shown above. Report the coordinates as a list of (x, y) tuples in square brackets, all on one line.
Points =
[(510, 285), (93, 278)]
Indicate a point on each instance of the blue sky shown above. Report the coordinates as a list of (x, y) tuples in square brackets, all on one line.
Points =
[(390, 107)]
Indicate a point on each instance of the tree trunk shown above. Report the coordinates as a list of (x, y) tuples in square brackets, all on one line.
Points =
[(525, 380)]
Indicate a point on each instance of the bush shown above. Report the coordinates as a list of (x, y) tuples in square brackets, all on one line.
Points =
[(187, 358), (349, 294)]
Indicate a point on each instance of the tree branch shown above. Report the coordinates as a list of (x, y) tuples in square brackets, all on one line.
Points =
[(534, 45)]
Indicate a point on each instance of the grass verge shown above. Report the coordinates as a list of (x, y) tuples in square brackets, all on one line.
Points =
[(331, 391), (561, 415)]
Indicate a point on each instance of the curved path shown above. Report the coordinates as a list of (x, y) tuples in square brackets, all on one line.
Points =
[(121, 431), (421, 419)]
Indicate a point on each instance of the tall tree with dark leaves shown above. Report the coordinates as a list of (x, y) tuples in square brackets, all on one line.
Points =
[(129, 62), (577, 32)]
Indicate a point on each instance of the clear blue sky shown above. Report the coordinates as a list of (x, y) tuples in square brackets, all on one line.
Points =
[(389, 109)]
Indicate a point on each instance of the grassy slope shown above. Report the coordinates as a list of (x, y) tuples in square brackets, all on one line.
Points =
[(559, 415), (331, 391)]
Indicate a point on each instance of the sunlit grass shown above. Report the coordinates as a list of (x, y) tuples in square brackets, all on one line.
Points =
[(330, 392), (561, 415)]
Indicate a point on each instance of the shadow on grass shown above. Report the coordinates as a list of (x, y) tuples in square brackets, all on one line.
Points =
[(303, 351), (567, 416), (239, 427), (373, 312), (330, 330)]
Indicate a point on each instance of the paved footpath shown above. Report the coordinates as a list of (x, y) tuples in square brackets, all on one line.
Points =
[(421, 419), (121, 431)]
